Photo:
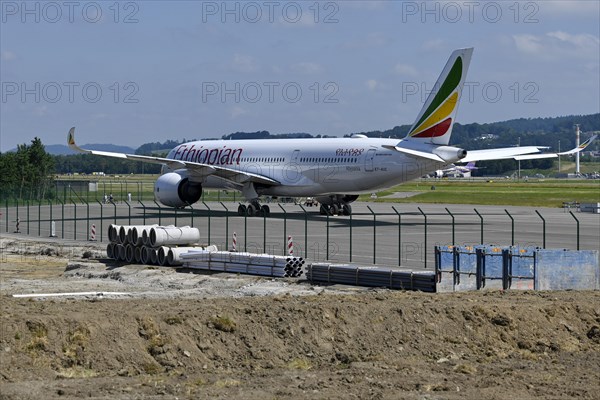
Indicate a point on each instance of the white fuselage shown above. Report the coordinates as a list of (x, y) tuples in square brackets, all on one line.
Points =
[(308, 167)]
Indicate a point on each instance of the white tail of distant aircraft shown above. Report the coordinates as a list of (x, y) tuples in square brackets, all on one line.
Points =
[(335, 170)]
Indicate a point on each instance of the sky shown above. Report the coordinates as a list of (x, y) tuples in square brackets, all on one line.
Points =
[(133, 72)]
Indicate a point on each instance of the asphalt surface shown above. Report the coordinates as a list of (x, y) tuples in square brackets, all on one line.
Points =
[(372, 235)]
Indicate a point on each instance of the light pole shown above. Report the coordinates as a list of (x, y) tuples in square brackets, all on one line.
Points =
[(559, 156), (519, 161)]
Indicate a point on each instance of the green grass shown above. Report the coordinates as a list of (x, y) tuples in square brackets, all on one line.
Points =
[(544, 193)]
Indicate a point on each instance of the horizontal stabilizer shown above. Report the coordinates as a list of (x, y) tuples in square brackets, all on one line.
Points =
[(416, 153)]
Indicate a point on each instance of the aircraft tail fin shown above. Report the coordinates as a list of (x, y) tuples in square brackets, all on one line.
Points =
[(436, 118)]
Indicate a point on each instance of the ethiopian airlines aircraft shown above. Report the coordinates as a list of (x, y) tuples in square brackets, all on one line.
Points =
[(334, 171)]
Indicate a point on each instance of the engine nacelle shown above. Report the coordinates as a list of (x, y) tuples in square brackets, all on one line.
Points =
[(175, 190), (450, 154)]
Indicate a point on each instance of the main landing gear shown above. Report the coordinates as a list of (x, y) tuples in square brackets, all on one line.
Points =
[(336, 209), (254, 209)]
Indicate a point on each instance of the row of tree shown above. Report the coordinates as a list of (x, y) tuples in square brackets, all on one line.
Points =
[(26, 173)]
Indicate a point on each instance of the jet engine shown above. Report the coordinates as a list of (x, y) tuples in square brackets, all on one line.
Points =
[(175, 190)]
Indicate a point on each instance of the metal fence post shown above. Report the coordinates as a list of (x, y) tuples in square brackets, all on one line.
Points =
[(425, 233), (129, 207), (209, 212), (6, 213), (192, 212), (17, 203), (305, 231), (573, 215), (350, 238), (453, 237), (264, 231), (284, 229), (115, 212), (88, 210), (51, 206), (543, 229), (481, 218), (226, 225), (101, 220), (144, 208), (40, 218), (399, 235), (512, 228), (245, 231), (175, 212), (159, 213), (28, 217), (327, 238), (62, 217), (374, 235), (74, 218)]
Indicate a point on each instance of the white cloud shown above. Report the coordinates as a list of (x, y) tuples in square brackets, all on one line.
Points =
[(559, 44), (434, 44), (244, 63), (306, 68), (8, 56), (528, 43), (237, 112), (371, 40), (405, 69), (40, 111), (371, 84)]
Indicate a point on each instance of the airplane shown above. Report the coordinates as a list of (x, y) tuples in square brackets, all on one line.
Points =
[(332, 170), (452, 169)]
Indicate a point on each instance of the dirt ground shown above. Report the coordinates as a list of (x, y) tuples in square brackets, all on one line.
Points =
[(166, 333)]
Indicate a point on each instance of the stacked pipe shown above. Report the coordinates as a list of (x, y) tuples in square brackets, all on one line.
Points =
[(371, 276), (244, 263), (152, 244)]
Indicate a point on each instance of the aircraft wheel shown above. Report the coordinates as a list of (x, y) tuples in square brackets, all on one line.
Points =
[(346, 209), (334, 209), (241, 210), (251, 210), (265, 211)]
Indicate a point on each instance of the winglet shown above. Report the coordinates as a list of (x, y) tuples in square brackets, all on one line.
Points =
[(581, 147), (71, 142)]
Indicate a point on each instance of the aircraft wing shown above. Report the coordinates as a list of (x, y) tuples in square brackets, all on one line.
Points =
[(520, 153), (196, 171)]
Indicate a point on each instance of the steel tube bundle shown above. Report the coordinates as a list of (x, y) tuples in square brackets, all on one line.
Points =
[(371, 276), (244, 263), (162, 236)]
